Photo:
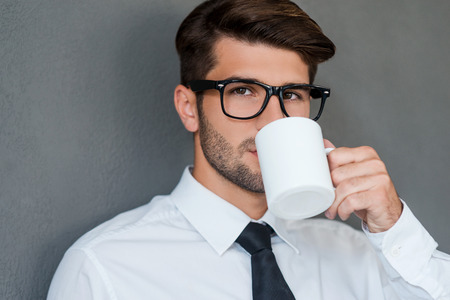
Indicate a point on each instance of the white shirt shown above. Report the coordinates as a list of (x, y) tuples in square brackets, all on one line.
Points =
[(182, 246)]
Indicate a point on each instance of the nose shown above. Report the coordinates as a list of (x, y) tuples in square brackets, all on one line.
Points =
[(271, 113)]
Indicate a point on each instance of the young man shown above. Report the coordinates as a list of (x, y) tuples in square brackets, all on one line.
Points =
[(189, 244)]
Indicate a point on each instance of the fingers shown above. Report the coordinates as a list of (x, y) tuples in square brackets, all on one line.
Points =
[(355, 203), (328, 144), (343, 156), (364, 187), (358, 193), (364, 168)]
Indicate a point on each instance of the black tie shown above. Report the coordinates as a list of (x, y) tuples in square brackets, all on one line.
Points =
[(267, 280)]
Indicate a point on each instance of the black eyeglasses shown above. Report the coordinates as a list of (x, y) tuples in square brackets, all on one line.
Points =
[(245, 99)]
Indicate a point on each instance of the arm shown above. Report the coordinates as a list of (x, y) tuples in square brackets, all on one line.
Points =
[(80, 276), (416, 270), (408, 255)]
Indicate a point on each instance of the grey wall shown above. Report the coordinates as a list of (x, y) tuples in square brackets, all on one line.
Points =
[(87, 128)]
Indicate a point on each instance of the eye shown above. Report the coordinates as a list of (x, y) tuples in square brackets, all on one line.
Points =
[(292, 96), (243, 91)]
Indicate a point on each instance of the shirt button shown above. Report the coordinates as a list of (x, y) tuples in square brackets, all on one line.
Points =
[(396, 251)]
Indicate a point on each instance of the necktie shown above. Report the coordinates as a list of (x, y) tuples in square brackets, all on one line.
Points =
[(267, 280)]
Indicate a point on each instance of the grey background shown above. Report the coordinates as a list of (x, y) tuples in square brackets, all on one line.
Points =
[(88, 129)]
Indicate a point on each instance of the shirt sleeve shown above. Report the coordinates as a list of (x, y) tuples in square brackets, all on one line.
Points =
[(415, 269), (80, 276)]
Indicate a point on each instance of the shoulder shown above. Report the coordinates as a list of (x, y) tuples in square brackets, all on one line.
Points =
[(87, 267), (160, 210)]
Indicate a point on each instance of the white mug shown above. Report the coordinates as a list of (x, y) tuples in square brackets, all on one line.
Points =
[(294, 168)]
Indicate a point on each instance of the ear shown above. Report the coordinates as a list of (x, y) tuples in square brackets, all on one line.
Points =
[(186, 105)]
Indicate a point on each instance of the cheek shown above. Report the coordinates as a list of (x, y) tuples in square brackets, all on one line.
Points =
[(212, 108), (233, 130)]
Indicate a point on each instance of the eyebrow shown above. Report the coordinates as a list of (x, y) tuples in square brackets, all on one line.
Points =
[(257, 80)]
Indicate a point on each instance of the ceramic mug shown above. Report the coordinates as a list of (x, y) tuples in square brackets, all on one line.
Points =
[(294, 168)]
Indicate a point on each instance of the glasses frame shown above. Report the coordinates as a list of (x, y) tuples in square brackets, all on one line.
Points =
[(203, 85)]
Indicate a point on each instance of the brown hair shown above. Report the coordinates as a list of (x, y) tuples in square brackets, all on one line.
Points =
[(278, 23)]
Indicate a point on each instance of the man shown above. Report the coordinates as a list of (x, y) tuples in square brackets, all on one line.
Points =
[(189, 244)]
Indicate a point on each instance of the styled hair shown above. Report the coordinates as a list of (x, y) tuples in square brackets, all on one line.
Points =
[(277, 23)]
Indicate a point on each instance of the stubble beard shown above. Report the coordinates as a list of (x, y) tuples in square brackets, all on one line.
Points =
[(225, 160)]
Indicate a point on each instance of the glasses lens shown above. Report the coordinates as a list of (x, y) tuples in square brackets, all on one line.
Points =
[(242, 100), (302, 101)]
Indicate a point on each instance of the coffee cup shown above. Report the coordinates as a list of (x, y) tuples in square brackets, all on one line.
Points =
[(294, 168)]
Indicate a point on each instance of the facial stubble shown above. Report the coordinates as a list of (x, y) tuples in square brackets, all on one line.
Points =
[(226, 160)]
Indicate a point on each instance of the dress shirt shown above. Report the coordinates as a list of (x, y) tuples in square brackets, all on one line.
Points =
[(182, 246)]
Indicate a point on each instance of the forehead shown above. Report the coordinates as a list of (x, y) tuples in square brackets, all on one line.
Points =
[(267, 64)]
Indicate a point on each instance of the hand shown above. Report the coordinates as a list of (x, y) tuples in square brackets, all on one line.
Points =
[(363, 186)]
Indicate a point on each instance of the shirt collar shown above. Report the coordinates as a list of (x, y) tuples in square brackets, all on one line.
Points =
[(218, 221), (281, 228)]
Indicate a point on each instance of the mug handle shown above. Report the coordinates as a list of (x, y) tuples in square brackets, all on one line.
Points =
[(328, 150)]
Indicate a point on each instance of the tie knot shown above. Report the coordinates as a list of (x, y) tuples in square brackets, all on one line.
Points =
[(255, 237)]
